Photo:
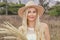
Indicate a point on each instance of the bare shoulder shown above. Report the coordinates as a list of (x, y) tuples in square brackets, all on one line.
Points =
[(44, 25)]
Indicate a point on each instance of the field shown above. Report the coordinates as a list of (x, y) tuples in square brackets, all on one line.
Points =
[(53, 22)]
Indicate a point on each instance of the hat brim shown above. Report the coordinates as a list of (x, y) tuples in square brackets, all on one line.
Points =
[(39, 8)]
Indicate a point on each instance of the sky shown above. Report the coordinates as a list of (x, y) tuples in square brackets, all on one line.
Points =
[(51, 3), (25, 1), (14, 1), (36, 1), (57, 0)]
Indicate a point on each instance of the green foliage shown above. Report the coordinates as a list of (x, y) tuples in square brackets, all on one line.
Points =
[(2, 12), (55, 11), (12, 8), (2, 4), (16, 5)]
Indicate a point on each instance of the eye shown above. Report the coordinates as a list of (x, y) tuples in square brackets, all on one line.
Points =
[(34, 11), (29, 11)]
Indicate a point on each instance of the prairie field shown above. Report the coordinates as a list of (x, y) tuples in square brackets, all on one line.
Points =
[(53, 23)]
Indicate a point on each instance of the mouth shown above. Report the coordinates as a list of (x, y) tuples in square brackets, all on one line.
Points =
[(31, 17)]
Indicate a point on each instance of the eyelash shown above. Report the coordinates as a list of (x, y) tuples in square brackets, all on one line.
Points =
[(29, 11), (34, 12)]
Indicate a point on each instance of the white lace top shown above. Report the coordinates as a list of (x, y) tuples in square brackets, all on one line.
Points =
[(31, 35)]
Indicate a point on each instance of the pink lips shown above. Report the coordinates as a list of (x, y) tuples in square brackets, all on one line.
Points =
[(31, 17)]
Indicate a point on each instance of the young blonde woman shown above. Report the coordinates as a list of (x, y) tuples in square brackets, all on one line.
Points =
[(31, 27)]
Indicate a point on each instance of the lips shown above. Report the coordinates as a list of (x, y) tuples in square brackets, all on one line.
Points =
[(31, 17)]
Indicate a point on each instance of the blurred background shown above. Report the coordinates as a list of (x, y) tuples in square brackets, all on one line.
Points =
[(51, 16)]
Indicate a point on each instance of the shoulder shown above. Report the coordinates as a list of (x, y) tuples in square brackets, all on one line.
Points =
[(44, 25)]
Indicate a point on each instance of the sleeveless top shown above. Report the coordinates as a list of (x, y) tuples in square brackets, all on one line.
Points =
[(31, 35)]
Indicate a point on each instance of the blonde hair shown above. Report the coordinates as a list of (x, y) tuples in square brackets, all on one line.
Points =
[(37, 26)]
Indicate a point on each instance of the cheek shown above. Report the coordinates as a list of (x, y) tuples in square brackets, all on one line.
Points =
[(35, 14), (28, 16)]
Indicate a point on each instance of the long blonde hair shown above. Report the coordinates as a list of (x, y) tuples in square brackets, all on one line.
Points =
[(37, 26)]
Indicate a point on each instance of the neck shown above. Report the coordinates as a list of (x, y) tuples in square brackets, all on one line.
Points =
[(31, 24)]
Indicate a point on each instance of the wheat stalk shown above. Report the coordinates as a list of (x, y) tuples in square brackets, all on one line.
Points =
[(14, 31)]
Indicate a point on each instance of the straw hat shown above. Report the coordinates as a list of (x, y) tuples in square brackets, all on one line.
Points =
[(28, 5)]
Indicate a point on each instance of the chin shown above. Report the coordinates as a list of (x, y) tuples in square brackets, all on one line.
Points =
[(31, 20)]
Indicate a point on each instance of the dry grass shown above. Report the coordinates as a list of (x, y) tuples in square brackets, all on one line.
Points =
[(53, 22)]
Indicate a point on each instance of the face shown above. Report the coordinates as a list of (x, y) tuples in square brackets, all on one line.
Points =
[(32, 14)]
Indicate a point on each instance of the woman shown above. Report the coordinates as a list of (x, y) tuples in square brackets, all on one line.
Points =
[(31, 27)]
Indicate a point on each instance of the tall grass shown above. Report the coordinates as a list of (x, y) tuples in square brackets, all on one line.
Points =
[(13, 30)]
